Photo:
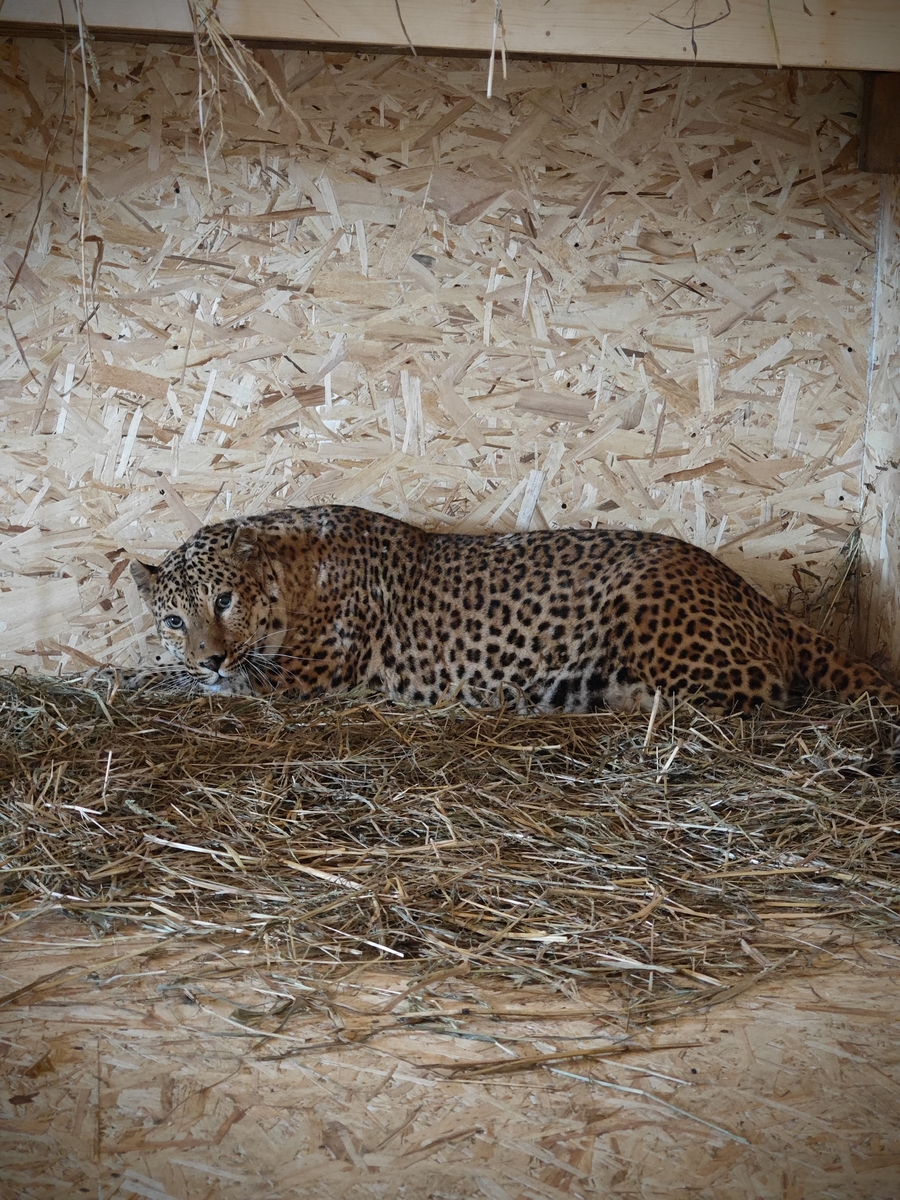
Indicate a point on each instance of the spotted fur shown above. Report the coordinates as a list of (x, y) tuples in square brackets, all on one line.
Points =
[(316, 601)]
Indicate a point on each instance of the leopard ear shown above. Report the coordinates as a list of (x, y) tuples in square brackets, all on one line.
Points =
[(245, 544), (143, 574)]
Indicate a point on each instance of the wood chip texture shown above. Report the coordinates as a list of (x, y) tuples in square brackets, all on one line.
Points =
[(152, 1068), (634, 295)]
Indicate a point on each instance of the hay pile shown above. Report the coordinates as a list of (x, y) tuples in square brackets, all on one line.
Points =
[(668, 858)]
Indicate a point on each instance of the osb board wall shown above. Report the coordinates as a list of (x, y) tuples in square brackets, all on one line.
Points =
[(612, 294)]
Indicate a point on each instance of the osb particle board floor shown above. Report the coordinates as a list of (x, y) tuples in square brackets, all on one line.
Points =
[(141, 1077)]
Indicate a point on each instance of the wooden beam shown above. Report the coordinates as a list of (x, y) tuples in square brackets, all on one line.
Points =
[(848, 34), (879, 130)]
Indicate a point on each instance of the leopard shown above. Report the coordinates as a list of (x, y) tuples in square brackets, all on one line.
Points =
[(314, 602)]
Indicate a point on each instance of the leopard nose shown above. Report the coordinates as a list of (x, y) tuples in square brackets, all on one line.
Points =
[(213, 662)]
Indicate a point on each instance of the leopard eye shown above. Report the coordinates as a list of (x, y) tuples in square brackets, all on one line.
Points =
[(173, 621), (223, 602)]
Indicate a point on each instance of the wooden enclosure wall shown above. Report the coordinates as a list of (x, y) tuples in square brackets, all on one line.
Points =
[(879, 631), (634, 295)]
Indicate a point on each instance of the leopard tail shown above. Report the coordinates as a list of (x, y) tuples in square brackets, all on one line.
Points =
[(823, 666)]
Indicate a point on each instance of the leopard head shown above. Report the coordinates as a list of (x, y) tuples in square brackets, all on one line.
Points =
[(218, 608)]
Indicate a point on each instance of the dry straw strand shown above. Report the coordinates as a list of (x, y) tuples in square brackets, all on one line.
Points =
[(540, 848)]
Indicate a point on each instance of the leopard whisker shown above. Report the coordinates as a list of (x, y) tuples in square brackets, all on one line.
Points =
[(255, 667), (261, 638), (276, 655)]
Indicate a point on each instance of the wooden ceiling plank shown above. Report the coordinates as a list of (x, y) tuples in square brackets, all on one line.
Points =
[(863, 35)]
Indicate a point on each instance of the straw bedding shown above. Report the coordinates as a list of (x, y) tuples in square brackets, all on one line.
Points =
[(665, 856)]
